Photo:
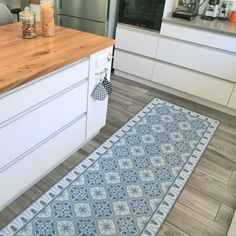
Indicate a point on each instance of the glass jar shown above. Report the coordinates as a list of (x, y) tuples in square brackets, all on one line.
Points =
[(28, 23), (47, 18)]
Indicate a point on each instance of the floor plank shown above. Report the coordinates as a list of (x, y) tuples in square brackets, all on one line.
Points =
[(199, 202), (224, 216), (216, 189), (170, 230), (232, 181), (214, 170), (193, 223)]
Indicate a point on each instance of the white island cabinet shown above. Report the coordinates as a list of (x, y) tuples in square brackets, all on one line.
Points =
[(44, 121)]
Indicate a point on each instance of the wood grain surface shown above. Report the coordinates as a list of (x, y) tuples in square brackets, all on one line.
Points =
[(22, 60)]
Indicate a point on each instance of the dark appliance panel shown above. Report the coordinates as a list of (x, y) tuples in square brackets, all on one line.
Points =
[(142, 13)]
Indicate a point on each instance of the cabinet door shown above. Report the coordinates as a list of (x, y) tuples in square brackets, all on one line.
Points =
[(41, 89), (232, 101), (206, 60), (33, 129), (200, 85), (133, 64), (27, 171), (137, 41), (198, 36)]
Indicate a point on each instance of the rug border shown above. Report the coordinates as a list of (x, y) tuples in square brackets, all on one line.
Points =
[(181, 180), (157, 219)]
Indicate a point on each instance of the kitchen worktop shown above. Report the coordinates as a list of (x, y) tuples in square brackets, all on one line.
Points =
[(23, 60), (218, 26)]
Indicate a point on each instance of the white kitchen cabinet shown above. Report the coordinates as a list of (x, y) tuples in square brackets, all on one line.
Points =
[(30, 130), (47, 120), (133, 64), (137, 41), (34, 166), (51, 85), (206, 60), (188, 60), (199, 36), (192, 82)]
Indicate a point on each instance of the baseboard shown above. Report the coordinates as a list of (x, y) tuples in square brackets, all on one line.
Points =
[(176, 92)]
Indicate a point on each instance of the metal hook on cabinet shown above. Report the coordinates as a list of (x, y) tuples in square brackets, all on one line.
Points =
[(102, 72)]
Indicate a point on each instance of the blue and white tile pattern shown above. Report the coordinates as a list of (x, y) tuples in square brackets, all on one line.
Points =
[(129, 184)]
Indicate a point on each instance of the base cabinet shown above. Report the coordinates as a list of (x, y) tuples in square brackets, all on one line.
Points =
[(192, 82), (47, 120), (133, 64), (183, 62)]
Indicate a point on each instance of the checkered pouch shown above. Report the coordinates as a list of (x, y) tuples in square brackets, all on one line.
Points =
[(107, 85), (102, 90), (100, 93)]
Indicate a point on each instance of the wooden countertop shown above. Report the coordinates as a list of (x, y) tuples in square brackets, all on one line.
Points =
[(23, 60)]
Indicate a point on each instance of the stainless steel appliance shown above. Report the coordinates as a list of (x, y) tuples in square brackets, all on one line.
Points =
[(212, 10), (187, 9), (93, 16)]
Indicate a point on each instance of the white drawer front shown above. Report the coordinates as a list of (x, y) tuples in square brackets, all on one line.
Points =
[(232, 101), (198, 58), (132, 64), (24, 173), (27, 132), (207, 87), (41, 90), (199, 36), (137, 42)]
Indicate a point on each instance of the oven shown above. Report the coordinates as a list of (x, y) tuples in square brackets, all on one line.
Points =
[(142, 13)]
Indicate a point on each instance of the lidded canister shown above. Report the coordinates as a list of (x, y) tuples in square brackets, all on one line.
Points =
[(28, 23), (47, 18)]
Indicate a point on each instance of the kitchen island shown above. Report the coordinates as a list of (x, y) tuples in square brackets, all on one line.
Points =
[(46, 108)]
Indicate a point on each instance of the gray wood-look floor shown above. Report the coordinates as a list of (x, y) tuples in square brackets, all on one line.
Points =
[(206, 205)]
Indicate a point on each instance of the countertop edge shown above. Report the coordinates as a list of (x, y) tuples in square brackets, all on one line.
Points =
[(216, 26)]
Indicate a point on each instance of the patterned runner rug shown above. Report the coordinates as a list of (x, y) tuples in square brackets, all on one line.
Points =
[(129, 184)]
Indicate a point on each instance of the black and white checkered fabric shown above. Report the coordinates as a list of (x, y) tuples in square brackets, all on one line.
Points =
[(100, 93), (107, 85)]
